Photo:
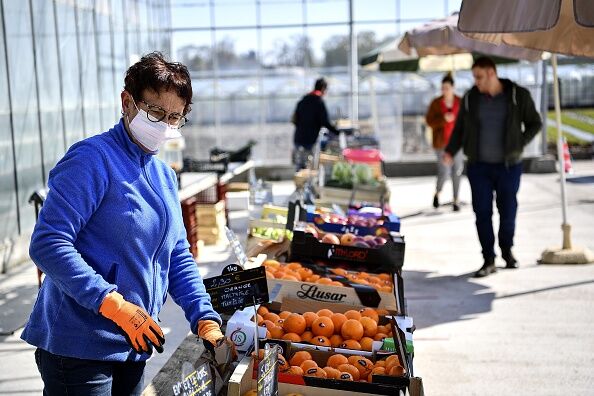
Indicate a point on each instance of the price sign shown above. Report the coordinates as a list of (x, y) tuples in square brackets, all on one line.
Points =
[(268, 372), (197, 383), (238, 289)]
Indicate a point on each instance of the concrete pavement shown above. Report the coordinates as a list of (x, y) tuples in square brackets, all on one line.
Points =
[(527, 331)]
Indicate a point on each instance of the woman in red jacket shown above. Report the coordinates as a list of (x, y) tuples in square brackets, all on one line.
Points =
[(441, 117)]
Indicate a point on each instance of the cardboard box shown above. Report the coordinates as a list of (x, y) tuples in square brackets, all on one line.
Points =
[(360, 295), (386, 258), (238, 200)]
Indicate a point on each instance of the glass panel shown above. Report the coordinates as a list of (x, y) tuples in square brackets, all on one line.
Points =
[(69, 63), (380, 10), (190, 14), (107, 93), (234, 13), (8, 198), (48, 75), (236, 50), (132, 28), (286, 47), (27, 145), (193, 49), (327, 11), (275, 12), (426, 9), (88, 59), (330, 45), (120, 51)]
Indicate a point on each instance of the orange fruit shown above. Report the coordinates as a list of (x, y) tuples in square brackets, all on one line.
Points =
[(276, 332), (309, 318), (338, 319), (325, 312), (290, 278), (396, 371), (385, 276), (259, 319), (370, 313), (352, 330), (331, 372), (369, 326), (305, 273), (315, 372), (336, 360), (379, 336), (262, 310), (339, 271), (376, 371), (323, 326), (270, 275), (282, 363), (307, 336), (385, 289), (293, 337), (271, 316), (295, 370), (313, 278), (391, 361), (299, 357), (324, 281), (366, 344), (294, 323), (336, 340), (380, 363), (284, 314), (352, 370), (268, 335), (362, 364), (268, 324), (271, 263), (280, 322), (293, 266), (337, 284), (352, 314), (383, 329), (346, 376), (382, 312), (279, 273), (321, 341), (307, 364), (351, 344)]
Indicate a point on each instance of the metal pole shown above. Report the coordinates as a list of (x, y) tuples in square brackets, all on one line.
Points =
[(215, 68), (353, 68), (544, 105), (564, 226)]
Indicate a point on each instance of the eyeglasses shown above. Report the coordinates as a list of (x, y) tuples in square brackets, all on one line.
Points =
[(156, 113)]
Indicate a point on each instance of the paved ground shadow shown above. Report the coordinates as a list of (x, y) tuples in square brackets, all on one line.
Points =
[(433, 300)]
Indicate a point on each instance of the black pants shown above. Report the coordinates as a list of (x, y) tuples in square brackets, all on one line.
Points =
[(73, 377), (486, 179)]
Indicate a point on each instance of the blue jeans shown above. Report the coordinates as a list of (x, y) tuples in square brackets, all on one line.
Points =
[(70, 376), (486, 179)]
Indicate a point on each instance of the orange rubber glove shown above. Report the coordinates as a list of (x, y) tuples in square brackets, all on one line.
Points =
[(210, 331), (140, 329)]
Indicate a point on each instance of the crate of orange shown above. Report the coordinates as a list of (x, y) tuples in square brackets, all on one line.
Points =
[(357, 255), (321, 283), (326, 325)]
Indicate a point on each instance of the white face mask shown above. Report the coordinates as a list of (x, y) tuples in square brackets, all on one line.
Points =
[(151, 135)]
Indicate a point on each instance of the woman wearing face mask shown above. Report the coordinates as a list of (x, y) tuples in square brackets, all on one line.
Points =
[(441, 117), (111, 241)]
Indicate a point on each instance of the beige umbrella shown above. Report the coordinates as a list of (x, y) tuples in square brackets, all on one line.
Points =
[(558, 26)]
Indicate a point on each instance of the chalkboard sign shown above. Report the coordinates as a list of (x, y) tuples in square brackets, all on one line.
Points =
[(238, 289), (268, 372), (197, 383)]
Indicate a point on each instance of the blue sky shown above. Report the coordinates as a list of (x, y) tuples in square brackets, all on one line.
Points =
[(229, 14)]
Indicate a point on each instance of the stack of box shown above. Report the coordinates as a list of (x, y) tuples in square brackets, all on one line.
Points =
[(189, 215), (211, 222)]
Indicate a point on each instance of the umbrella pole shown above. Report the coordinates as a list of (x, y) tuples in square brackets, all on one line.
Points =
[(567, 254), (564, 226)]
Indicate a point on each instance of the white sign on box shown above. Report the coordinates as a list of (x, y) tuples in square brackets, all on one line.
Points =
[(240, 329)]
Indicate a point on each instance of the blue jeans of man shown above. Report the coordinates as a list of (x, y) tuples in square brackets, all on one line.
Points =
[(486, 179), (80, 377)]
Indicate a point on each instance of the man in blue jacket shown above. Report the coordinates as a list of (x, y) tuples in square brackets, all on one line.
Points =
[(111, 241), (497, 119)]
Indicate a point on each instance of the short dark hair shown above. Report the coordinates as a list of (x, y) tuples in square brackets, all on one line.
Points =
[(448, 79), (321, 84), (484, 62), (153, 72)]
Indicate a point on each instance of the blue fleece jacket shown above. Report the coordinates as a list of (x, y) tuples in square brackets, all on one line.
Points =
[(111, 221)]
